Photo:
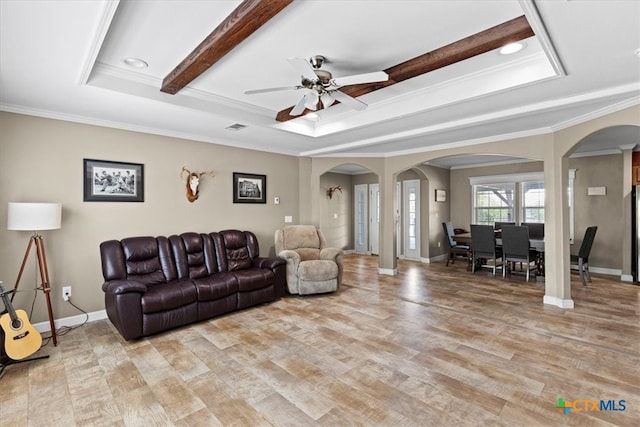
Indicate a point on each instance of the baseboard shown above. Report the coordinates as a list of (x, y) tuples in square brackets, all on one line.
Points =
[(558, 302), (388, 271), (438, 258), (608, 272), (71, 321)]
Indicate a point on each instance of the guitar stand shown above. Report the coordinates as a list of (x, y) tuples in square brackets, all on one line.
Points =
[(6, 360), (3, 366)]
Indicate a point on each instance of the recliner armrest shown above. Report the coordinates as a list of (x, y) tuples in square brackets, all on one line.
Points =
[(123, 287), (289, 255), (331, 254)]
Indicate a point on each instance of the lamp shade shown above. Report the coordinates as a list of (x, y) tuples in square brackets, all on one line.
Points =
[(34, 216)]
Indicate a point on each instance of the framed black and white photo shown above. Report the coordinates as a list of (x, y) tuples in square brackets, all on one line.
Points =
[(108, 181), (249, 188), (441, 195)]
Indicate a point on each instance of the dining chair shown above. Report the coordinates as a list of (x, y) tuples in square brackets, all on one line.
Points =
[(582, 259), (536, 229), (483, 246), (498, 225), (454, 248), (516, 248)]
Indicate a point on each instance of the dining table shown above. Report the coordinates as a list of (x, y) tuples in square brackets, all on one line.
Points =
[(537, 244)]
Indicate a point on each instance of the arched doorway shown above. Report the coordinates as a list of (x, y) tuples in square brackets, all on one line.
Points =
[(349, 209)]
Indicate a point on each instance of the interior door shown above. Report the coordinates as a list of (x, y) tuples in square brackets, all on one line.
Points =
[(374, 219), (398, 219), (361, 218), (411, 203)]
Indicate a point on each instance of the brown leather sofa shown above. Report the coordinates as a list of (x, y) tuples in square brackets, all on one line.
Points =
[(153, 284)]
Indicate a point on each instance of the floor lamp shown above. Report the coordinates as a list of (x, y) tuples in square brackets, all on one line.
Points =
[(36, 217)]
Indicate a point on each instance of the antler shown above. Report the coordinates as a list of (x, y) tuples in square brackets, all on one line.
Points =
[(184, 169), (210, 173), (331, 190)]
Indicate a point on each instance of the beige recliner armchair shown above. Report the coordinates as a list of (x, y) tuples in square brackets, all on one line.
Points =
[(312, 268)]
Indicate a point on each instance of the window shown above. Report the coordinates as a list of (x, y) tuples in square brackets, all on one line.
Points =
[(493, 203), (508, 198), (532, 201)]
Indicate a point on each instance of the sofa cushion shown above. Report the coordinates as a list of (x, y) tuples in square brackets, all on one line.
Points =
[(167, 296), (216, 286), (318, 270), (254, 278)]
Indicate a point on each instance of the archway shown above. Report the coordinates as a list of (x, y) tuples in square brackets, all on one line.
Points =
[(349, 207), (604, 196)]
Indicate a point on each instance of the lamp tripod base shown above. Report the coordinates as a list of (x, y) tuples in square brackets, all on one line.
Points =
[(44, 278)]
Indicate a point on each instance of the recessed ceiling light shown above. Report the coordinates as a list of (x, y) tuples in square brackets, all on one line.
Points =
[(511, 48), (135, 63)]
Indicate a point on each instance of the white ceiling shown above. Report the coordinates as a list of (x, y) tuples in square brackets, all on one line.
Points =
[(63, 60)]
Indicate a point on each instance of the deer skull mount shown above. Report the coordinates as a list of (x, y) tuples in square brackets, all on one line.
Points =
[(192, 182), (332, 190)]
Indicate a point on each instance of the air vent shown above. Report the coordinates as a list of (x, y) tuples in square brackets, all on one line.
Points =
[(236, 127)]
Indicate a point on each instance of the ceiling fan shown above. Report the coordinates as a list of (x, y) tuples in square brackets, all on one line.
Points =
[(323, 89)]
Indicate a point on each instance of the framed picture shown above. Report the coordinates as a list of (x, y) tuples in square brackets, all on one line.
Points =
[(107, 181), (441, 195), (249, 188)]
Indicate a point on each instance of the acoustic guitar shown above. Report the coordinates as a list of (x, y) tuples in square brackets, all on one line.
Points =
[(21, 339)]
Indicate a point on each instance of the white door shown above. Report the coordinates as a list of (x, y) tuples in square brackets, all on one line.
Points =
[(361, 218), (374, 219), (398, 219), (411, 196)]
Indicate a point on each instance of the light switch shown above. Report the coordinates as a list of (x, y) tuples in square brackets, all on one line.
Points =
[(335, 216), (288, 218), (596, 191)]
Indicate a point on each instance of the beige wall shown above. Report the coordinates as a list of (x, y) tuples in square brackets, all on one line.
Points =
[(603, 211), (41, 160), (336, 214)]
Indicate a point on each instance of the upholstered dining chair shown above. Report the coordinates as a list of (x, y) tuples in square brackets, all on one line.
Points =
[(498, 225), (582, 259), (312, 267), (483, 246), (454, 248), (516, 248), (536, 229)]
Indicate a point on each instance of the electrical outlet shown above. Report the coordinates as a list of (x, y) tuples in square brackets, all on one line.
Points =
[(66, 293)]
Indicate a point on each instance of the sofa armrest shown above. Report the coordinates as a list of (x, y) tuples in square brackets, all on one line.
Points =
[(270, 263), (123, 287), (279, 268), (333, 254), (123, 303)]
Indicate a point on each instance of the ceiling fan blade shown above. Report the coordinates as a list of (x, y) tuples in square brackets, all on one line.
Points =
[(304, 68), (299, 108), (327, 99), (311, 100), (271, 89), (378, 76), (349, 101)]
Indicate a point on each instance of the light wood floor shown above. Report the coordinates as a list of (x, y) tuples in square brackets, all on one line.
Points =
[(432, 346)]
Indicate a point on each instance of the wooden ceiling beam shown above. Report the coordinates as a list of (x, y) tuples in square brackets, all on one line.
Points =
[(239, 25), (508, 32)]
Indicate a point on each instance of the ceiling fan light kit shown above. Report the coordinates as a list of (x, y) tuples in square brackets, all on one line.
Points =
[(323, 89)]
